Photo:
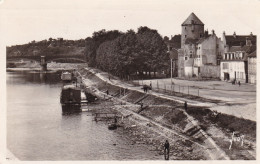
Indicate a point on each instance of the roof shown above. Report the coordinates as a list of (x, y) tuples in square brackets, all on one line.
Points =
[(193, 18), (175, 41), (247, 49), (191, 41), (253, 54), (202, 39), (238, 39), (235, 48)]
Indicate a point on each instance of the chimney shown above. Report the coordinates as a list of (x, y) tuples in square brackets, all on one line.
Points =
[(206, 33), (248, 42), (234, 35), (251, 34), (213, 32)]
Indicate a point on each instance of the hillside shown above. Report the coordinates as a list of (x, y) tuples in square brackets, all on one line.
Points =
[(52, 48)]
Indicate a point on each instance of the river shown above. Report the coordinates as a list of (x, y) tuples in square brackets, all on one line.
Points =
[(37, 130)]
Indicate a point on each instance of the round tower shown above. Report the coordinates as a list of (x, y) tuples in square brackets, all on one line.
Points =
[(192, 28)]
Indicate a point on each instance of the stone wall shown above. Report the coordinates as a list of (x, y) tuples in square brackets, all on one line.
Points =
[(210, 71)]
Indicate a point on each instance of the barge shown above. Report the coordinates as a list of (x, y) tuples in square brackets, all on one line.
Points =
[(70, 97)]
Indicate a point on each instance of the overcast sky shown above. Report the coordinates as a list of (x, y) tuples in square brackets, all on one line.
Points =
[(22, 21)]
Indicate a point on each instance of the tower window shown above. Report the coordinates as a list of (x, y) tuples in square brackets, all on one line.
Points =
[(186, 58), (190, 54)]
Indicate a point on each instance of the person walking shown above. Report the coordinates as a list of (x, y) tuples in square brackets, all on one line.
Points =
[(166, 150), (115, 120), (185, 106), (239, 83)]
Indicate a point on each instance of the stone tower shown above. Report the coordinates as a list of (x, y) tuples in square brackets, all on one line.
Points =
[(192, 28)]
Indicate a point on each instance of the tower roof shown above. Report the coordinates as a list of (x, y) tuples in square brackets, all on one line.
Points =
[(192, 19)]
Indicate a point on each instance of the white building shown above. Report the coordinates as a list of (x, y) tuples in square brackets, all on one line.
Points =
[(252, 68), (234, 64)]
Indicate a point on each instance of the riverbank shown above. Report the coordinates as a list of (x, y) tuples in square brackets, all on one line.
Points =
[(167, 113), (50, 66), (193, 134)]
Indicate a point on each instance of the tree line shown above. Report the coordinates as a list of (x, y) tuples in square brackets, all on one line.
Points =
[(129, 53)]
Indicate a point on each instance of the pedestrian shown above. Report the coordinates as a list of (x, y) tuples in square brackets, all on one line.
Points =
[(166, 150), (239, 83), (185, 106), (151, 84), (115, 120), (107, 92)]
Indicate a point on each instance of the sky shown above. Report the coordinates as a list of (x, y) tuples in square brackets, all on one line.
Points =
[(22, 21)]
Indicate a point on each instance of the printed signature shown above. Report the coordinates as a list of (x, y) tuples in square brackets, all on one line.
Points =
[(236, 139)]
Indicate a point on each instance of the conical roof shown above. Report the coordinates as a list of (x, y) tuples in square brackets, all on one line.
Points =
[(193, 18)]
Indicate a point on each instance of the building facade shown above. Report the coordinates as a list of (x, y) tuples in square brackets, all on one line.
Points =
[(200, 52), (236, 61), (252, 68)]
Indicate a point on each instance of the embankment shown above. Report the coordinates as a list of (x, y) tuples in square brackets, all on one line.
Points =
[(197, 133)]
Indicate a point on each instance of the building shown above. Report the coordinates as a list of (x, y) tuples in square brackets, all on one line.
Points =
[(234, 64), (237, 40), (252, 68), (200, 52), (173, 45)]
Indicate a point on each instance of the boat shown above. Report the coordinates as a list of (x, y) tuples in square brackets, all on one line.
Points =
[(70, 97), (112, 126)]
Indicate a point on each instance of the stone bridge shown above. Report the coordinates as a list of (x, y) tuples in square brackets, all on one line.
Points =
[(43, 60)]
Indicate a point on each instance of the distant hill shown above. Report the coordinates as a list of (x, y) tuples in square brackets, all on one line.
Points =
[(52, 48)]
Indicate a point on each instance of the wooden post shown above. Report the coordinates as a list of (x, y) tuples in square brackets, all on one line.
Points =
[(171, 71)]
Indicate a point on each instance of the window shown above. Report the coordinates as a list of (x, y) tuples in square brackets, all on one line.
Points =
[(190, 54), (218, 62), (185, 36), (217, 45), (186, 58), (225, 65)]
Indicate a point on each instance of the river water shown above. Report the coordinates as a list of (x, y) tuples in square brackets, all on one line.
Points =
[(37, 130)]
